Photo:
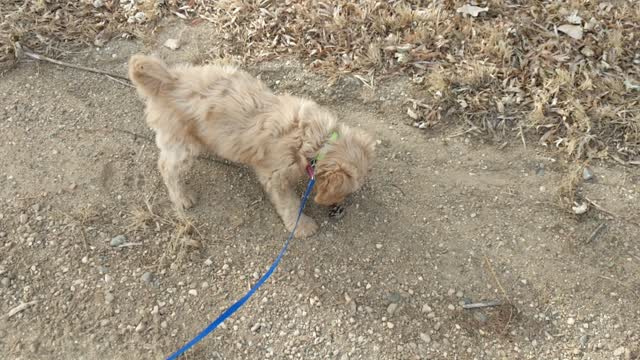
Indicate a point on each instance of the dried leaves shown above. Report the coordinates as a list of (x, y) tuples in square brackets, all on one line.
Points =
[(568, 71)]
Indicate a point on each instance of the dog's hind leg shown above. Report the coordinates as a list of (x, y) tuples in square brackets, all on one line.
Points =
[(174, 161)]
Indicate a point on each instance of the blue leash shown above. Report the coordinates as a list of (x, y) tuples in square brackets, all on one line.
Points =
[(235, 307)]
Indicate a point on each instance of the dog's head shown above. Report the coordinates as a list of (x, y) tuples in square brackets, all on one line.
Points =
[(345, 166)]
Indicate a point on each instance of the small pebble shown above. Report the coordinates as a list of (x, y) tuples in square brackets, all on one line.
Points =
[(118, 240), (426, 308), (173, 44), (5, 282), (619, 351), (140, 327), (451, 307), (23, 218), (193, 292), (147, 277), (391, 309), (424, 337), (108, 298), (571, 321), (208, 262), (378, 246), (390, 325), (587, 174)]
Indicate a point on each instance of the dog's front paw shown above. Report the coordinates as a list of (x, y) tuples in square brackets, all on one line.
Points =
[(185, 200), (306, 227)]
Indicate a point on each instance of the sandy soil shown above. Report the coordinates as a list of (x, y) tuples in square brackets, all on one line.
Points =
[(445, 220)]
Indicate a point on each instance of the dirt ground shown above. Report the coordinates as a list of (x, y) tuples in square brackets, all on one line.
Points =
[(446, 219)]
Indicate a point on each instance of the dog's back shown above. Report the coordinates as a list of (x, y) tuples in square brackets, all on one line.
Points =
[(221, 108)]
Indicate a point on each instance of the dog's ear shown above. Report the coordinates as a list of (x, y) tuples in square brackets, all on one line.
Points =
[(334, 184)]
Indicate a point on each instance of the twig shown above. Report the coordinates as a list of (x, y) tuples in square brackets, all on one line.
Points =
[(484, 304), (35, 56), (121, 82), (597, 232), (524, 142), (19, 308), (504, 293), (495, 278), (600, 208), (399, 189)]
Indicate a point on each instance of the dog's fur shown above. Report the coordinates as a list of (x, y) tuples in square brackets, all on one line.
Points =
[(228, 112)]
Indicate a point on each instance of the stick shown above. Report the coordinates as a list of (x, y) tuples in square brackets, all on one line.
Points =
[(524, 142), (19, 308), (601, 208), (485, 304), (121, 82), (35, 56), (596, 232)]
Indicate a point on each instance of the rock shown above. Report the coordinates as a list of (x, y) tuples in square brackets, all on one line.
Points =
[(587, 174), (426, 308), (391, 309), (118, 240), (586, 51), (193, 292), (23, 218), (378, 246), (2, 234), (140, 17), (98, 4), (5, 282), (208, 262), (108, 298), (147, 277), (140, 327), (173, 44), (619, 351), (390, 325), (424, 337), (393, 297), (571, 321), (580, 209), (584, 339)]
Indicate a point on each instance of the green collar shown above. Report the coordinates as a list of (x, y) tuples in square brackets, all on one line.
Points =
[(333, 137)]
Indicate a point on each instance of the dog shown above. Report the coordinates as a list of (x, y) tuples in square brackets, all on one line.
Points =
[(223, 110)]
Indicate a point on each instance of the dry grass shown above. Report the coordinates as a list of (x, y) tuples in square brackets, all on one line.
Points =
[(506, 70)]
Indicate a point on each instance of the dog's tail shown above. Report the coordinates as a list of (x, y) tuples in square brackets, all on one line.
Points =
[(150, 75)]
